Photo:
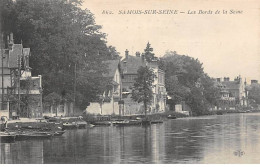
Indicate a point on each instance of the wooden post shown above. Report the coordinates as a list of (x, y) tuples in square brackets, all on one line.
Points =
[(2, 56), (75, 82)]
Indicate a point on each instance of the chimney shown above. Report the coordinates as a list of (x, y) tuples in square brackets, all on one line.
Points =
[(11, 38), (254, 81), (125, 67), (126, 54), (10, 41), (226, 79), (137, 54), (238, 79), (142, 57)]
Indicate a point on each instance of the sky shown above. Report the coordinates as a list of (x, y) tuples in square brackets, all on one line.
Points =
[(228, 45)]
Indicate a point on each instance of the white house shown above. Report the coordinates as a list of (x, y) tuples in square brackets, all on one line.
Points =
[(109, 101)]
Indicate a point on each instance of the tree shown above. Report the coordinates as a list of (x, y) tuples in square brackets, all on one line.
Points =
[(29, 101), (142, 89), (149, 56), (186, 81), (60, 35), (254, 93)]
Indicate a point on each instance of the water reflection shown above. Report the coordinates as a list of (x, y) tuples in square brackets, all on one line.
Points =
[(22, 152), (211, 139)]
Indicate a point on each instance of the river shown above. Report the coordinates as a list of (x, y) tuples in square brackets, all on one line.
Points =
[(230, 138)]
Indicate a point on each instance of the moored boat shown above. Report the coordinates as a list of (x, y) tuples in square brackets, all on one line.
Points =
[(72, 125), (156, 122), (219, 113), (82, 124), (58, 133), (172, 117), (146, 122), (33, 135), (127, 123), (102, 123)]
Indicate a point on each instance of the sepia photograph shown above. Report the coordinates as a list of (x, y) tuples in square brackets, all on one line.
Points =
[(129, 82)]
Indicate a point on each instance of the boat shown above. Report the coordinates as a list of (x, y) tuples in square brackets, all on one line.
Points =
[(127, 123), (172, 117), (120, 123), (82, 124), (6, 137), (58, 133), (72, 125), (219, 113), (33, 135), (156, 122), (102, 123), (146, 122), (90, 125)]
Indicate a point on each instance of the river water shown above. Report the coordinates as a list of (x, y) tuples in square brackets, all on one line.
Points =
[(231, 138)]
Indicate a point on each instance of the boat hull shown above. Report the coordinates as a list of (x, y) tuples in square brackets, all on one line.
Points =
[(101, 123), (146, 122), (70, 126), (156, 122), (30, 136), (58, 133), (82, 126)]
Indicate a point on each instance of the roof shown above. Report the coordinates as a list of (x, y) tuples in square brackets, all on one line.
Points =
[(113, 65), (132, 64), (231, 84), (17, 49)]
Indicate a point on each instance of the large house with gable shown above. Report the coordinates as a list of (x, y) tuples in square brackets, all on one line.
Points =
[(232, 93), (21, 93), (130, 64)]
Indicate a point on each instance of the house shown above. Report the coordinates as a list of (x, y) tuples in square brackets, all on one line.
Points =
[(109, 101), (130, 64), (21, 94), (232, 93)]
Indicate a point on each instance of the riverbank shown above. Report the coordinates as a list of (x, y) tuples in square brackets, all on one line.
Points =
[(57, 122), (152, 117)]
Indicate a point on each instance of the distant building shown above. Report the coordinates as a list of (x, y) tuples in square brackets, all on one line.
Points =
[(15, 86), (233, 93), (130, 65), (109, 102), (251, 102)]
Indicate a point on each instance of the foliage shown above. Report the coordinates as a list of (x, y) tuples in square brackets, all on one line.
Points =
[(254, 93), (61, 36), (149, 56), (28, 100), (142, 89), (186, 81)]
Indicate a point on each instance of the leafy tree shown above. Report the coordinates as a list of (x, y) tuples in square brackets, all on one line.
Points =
[(142, 89), (28, 100), (61, 36), (254, 93), (186, 81)]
